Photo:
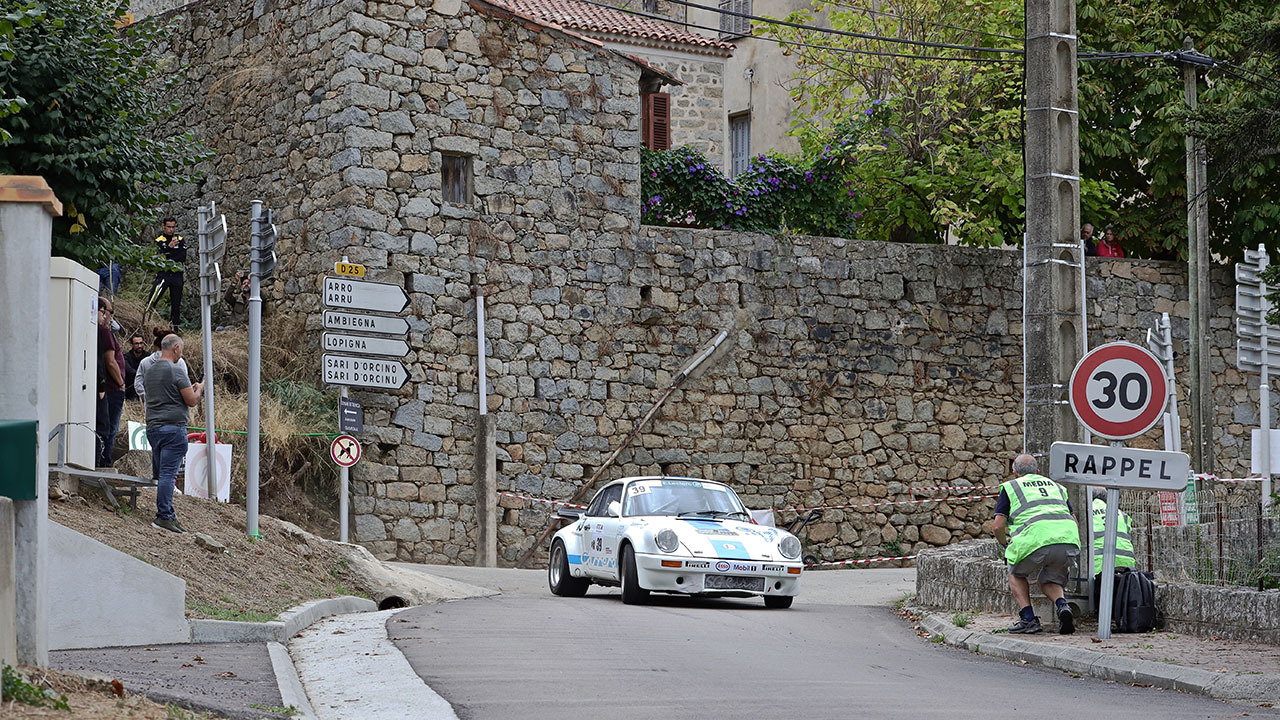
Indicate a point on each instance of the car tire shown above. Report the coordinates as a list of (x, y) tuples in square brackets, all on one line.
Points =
[(632, 593), (778, 602), (558, 577)]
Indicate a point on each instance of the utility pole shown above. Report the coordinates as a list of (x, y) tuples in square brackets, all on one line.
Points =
[(1201, 391), (1054, 327)]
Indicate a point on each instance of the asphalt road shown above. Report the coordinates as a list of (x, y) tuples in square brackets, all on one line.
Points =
[(528, 655)]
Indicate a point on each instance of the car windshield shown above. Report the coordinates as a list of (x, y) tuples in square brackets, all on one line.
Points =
[(681, 497)]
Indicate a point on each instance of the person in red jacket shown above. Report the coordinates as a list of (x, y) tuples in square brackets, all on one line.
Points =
[(1109, 245)]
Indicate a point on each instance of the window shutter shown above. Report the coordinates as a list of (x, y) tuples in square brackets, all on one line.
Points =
[(655, 113), (660, 104)]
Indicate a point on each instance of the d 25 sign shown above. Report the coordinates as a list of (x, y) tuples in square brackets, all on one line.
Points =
[(1118, 390)]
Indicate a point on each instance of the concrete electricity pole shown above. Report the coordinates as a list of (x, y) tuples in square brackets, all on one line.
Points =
[(1198, 268), (1054, 326)]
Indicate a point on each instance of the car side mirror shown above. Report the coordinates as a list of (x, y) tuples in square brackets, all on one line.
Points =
[(615, 509)]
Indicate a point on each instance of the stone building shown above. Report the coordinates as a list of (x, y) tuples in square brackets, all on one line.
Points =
[(697, 104)]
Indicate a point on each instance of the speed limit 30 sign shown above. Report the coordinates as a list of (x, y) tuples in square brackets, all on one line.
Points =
[(1118, 390)]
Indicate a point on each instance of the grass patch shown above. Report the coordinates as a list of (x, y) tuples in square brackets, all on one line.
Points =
[(217, 612), (961, 619), (17, 689), (287, 711)]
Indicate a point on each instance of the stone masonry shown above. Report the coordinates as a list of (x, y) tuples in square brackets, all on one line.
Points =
[(857, 371)]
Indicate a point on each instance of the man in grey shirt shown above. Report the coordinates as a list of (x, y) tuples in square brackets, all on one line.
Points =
[(169, 394)]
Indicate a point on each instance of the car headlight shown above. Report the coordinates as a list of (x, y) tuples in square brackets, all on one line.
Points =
[(667, 540), (789, 547)]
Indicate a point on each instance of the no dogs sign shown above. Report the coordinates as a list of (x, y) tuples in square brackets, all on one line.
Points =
[(345, 450), (1118, 390)]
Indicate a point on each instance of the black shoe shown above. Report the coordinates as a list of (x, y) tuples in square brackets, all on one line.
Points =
[(1066, 621), (170, 524), (1026, 627)]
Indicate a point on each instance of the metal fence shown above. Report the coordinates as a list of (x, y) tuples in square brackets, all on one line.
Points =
[(1224, 538)]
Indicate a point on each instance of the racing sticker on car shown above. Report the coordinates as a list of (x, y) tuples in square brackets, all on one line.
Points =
[(637, 489), (730, 549), (771, 568), (726, 566), (697, 564)]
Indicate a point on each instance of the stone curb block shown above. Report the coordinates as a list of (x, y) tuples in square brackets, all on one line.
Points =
[(1259, 687), (290, 622)]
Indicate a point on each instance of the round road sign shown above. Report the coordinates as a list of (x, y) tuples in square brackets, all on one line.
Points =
[(1118, 390), (345, 450)]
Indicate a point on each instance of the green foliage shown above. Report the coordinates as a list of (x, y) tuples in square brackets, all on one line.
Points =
[(936, 144), (1132, 123), (17, 689), (84, 96), (961, 619)]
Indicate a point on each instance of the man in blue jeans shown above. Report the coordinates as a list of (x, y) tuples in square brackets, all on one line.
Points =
[(169, 395)]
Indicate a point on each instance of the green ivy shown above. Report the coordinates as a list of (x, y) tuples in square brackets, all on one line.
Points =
[(16, 688), (79, 105)]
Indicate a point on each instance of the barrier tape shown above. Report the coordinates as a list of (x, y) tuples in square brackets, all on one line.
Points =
[(887, 502), (1211, 476), (861, 562), (541, 500)]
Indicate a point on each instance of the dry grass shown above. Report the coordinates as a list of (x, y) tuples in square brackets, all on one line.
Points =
[(94, 700)]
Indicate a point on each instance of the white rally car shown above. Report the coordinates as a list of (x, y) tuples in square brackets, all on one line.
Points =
[(675, 535)]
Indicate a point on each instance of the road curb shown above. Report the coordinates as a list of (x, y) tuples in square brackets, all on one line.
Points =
[(291, 692), (289, 623), (1260, 687)]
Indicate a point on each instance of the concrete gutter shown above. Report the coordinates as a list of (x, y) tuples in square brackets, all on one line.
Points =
[(1222, 686), (289, 623)]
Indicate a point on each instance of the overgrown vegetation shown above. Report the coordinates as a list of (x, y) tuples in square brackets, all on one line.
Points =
[(17, 689), (81, 108)]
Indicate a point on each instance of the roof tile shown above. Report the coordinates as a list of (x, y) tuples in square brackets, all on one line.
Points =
[(588, 17)]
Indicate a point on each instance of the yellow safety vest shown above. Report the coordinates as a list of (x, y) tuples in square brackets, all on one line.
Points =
[(1124, 538), (1038, 516)]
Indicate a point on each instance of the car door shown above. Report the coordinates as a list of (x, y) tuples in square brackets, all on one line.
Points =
[(599, 556), (585, 531), (612, 527)]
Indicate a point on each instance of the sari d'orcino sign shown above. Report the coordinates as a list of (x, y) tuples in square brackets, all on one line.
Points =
[(1118, 467), (363, 372)]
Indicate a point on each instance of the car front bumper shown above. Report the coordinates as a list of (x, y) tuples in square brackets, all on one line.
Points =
[(780, 578)]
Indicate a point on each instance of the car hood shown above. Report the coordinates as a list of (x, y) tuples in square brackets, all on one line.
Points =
[(724, 539)]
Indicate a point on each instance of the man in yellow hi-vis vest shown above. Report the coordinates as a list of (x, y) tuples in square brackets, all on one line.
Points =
[(1034, 518), (1124, 534)]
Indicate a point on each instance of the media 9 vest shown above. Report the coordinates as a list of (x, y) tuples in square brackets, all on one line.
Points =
[(1038, 516), (1124, 540)]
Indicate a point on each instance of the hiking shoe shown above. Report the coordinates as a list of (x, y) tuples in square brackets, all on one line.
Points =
[(171, 524), (1026, 627), (1066, 621)]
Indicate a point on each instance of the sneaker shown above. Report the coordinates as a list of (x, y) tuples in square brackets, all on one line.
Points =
[(171, 524), (1066, 621), (1026, 627)]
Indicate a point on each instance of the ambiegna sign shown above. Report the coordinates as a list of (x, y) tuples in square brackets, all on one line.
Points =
[(1118, 467)]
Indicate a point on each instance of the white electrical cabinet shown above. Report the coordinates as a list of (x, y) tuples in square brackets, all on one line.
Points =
[(73, 366)]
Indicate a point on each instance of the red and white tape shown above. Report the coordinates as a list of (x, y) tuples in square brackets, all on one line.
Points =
[(542, 500), (887, 502), (1210, 476), (861, 562)]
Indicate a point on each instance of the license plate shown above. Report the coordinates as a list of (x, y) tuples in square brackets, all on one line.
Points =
[(734, 582)]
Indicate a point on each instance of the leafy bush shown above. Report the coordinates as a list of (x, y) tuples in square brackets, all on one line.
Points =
[(16, 688)]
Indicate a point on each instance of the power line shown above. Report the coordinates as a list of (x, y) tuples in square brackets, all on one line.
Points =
[(844, 33), (797, 43)]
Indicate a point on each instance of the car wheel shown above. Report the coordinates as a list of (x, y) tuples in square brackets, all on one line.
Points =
[(778, 602), (632, 593), (558, 577)]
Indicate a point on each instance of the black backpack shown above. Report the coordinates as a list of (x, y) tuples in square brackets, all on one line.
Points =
[(1134, 608)]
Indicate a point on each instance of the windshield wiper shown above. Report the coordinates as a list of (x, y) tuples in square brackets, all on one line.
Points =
[(713, 513)]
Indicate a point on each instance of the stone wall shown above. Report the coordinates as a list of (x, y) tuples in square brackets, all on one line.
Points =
[(971, 576), (697, 106)]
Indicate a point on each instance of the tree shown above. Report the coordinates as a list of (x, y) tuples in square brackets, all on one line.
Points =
[(1133, 123), (939, 142), (86, 92)]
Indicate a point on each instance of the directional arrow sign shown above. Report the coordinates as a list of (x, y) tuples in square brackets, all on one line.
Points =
[(363, 372), (334, 320), (360, 345), (340, 292)]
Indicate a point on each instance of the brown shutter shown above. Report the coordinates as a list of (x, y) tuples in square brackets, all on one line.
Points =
[(658, 120)]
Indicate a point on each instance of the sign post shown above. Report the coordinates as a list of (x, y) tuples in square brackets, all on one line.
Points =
[(1117, 391), (212, 230), (1253, 352), (1160, 342), (365, 336)]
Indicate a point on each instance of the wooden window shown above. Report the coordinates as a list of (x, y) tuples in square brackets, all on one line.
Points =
[(455, 178), (655, 109), (733, 26), (650, 6), (739, 143)]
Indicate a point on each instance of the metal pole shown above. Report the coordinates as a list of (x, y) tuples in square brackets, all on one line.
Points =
[(255, 372), (1264, 388), (1205, 266), (1109, 561), (480, 375), (204, 216), (344, 481)]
